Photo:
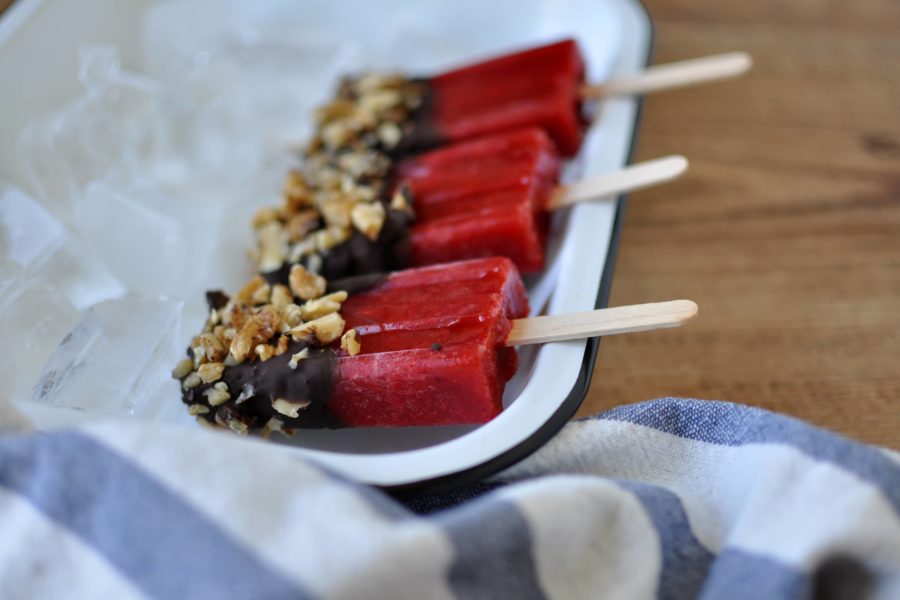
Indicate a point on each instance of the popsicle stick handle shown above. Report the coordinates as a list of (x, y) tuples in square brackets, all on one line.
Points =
[(673, 75), (605, 321), (633, 177)]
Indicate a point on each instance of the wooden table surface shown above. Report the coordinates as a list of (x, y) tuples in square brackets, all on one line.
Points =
[(786, 230)]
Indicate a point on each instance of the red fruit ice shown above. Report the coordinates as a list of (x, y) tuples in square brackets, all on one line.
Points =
[(432, 346)]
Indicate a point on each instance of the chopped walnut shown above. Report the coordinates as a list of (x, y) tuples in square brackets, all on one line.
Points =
[(197, 409), (233, 316), (289, 409), (304, 284), (380, 100), (296, 191), (390, 134), (191, 381), (336, 134), (218, 394), (325, 329), (401, 199), (273, 247), (296, 358), (264, 216), (336, 210), (274, 425), (350, 342), (281, 295), (337, 109), (258, 329), (264, 351), (183, 368), (368, 219), (331, 303), (211, 372), (300, 224), (292, 315), (326, 239), (213, 348), (227, 418), (282, 346), (247, 292)]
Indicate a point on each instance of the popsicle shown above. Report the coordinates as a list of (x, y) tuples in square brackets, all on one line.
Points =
[(538, 87), (428, 346), (417, 347), (485, 197)]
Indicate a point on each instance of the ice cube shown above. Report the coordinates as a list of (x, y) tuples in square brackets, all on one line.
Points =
[(28, 232), (117, 359), (101, 134), (38, 242), (34, 317)]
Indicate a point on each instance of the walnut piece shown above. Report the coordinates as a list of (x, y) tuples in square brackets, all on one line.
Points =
[(213, 348), (245, 295), (211, 372), (331, 303), (296, 358), (325, 329), (281, 295), (304, 284), (350, 342), (258, 329), (183, 368), (272, 240), (289, 409), (368, 218), (218, 394)]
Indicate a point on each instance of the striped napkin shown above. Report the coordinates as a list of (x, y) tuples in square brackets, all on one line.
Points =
[(665, 499)]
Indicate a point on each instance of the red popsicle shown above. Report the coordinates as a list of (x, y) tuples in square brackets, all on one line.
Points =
[(483, 198), (431, 351), (486, 197), (535, 87), (432, 346)]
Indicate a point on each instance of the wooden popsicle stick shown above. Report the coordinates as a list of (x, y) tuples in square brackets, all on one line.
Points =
[(673, 75), (632, 177), (605, 321)]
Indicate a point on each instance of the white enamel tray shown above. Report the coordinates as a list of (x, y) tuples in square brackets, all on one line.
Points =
[(39, 37)]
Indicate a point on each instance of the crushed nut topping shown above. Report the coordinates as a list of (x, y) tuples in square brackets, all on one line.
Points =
[(325, 329), (350, 342), (304, 284), (296, 358), (210, 372), (258, 329), (218, 394), (368, 219), (331, 303), (339, 195), (289, 409), (183, 368)]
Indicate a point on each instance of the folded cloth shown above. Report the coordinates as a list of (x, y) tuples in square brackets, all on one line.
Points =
[(670, 499)]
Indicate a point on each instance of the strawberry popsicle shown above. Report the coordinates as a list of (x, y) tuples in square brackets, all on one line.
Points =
[(486, 197), (481, 198), (537, 87), (418, 347)]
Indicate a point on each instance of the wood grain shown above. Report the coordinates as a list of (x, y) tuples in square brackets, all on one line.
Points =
[(786, 230)]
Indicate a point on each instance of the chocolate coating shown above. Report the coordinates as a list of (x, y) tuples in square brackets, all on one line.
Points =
[(313, 380), (359, 255), (424, 132)]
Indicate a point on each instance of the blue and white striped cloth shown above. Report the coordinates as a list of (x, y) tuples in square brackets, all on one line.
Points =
[(668, 499)]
